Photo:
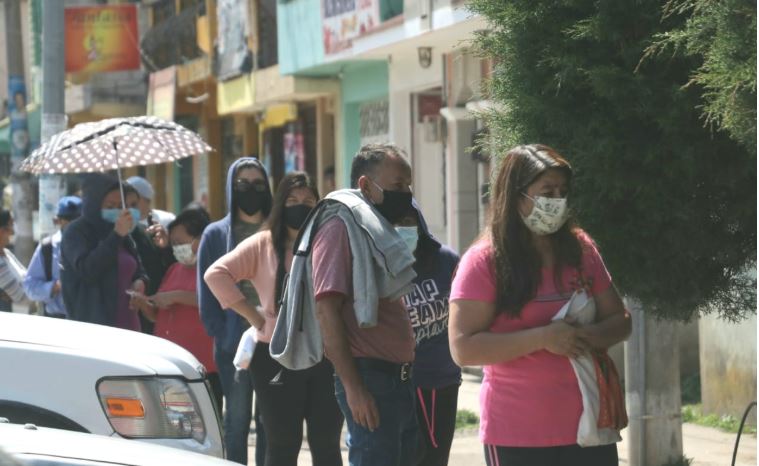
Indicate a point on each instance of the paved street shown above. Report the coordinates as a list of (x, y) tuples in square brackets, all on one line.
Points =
[(708, 447)]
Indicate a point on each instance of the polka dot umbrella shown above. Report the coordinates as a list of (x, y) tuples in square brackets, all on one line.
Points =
[(113, 144)]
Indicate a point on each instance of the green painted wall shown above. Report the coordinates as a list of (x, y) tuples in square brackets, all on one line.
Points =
[(299, 35), (361, 82)]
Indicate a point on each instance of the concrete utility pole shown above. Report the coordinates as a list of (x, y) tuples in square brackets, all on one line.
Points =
[(51, 187), (652, 380), (19, 134)]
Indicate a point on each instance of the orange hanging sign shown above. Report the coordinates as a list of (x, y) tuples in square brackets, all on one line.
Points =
[(101, 38)]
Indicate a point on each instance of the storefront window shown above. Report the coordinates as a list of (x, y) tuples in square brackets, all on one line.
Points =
[(374, 121)]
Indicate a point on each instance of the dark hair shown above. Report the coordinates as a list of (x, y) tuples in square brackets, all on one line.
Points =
[(128, 189), (5, 218), (194, 220), (276, 221), (517, 263), (370, 156), (253, 162)]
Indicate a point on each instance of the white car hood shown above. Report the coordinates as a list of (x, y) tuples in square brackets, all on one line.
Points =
[(18, 440), (161, 356)]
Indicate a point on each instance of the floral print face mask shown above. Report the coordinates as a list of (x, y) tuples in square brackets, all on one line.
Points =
[(548, 214)]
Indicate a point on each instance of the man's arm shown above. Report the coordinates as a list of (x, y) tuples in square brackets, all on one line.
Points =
[(337, 349), (36, 285)]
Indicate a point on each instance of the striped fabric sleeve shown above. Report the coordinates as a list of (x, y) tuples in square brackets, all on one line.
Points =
[(9, 283)]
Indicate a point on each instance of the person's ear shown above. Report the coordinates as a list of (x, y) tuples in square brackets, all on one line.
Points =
[(363, 185)]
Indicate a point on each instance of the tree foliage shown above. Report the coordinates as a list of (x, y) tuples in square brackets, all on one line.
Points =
[(670, 201), (722, 34)]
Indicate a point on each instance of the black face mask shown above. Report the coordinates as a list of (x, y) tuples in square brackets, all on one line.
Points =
[(252, 197), (395, 205), (295, 215)]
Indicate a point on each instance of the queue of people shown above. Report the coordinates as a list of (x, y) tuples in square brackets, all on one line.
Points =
[(347, 300)]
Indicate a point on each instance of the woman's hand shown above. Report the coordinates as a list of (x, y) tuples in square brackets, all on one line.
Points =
[(159, 234), (124, 223), (138, 301), (257, 318), (164, 299), (565, 340), (137, 297)]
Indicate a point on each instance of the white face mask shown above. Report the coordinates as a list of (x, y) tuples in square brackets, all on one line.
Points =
[(548, 214), (184, 255), (410, 236)]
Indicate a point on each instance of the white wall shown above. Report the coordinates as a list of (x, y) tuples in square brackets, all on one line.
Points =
[(728, 366), (406, 78)]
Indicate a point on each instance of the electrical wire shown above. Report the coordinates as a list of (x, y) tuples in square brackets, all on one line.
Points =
[(740, 430)]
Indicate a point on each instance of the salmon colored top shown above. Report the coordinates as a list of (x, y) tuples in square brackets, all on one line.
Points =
[(253, 259)]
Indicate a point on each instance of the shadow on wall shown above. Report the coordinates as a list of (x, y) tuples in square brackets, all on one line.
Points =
[(728, 366)]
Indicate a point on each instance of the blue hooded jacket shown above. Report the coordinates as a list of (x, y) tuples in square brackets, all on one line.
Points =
[(224, 325), (427, 305), (89, 257)]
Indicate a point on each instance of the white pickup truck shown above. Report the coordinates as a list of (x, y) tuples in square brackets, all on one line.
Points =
[(102, 380)]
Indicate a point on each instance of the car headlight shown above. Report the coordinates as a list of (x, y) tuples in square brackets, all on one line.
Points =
[(151, 408)]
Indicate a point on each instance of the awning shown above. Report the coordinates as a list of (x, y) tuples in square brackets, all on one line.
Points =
[(33, 113), (259, 90), (235, 95), (278, 115)]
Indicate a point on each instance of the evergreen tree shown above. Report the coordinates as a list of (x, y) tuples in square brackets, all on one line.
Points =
[(670, 201), (722, 35)]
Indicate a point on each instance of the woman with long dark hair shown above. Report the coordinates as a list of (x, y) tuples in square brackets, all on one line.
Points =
[(286, 398), (508, 289)]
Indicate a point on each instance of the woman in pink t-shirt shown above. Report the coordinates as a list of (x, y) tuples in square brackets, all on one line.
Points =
[(507, 289)]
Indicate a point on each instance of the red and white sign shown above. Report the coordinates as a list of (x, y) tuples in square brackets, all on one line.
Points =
[(344, 20)]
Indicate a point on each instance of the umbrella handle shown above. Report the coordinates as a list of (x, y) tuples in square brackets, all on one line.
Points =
[(118, 171)]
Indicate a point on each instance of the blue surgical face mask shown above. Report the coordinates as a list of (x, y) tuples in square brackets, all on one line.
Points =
[(410, 236), (111, 215)]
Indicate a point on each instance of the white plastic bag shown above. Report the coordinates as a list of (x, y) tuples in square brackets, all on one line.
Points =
[(582, 309), (246, 348)]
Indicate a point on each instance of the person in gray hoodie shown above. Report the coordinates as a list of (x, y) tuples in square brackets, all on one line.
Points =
[(249, 202)]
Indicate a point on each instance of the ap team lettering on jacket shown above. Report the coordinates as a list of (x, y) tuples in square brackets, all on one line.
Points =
[(427, 310)]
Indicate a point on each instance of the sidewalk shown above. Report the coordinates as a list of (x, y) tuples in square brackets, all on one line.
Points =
[(706, 446)]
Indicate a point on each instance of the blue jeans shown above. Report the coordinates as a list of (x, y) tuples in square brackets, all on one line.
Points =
[(238, 394), (394, 442)]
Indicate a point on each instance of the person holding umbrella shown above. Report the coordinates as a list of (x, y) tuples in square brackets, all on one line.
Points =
[(100, 268)]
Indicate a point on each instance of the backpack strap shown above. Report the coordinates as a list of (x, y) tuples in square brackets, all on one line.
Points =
[(47, 256)]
